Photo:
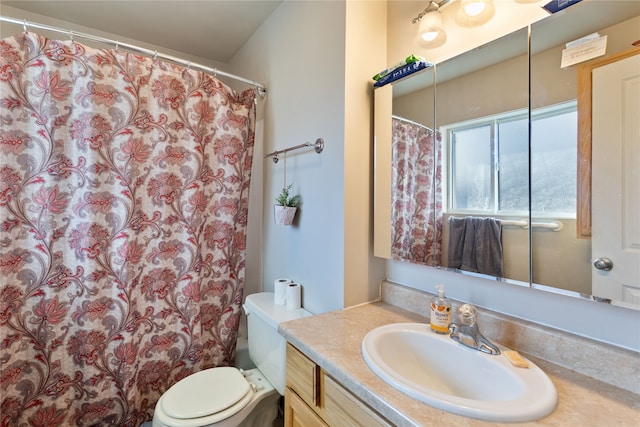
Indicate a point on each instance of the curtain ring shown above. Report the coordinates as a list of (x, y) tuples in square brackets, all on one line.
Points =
[(25, 26), (215, 72), (71, 35), (189, 65), (155, 55), (117, 45)]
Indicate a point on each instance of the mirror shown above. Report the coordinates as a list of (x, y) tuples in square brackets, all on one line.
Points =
[(481, 112), (492, 83), (405, 125), (564, 260)]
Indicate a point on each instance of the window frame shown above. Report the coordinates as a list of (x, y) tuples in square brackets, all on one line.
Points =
[(494, 121)]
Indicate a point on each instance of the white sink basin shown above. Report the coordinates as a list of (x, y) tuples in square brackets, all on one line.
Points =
[(447, 375)]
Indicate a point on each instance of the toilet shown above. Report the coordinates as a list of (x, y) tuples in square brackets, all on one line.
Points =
[(228, 396)]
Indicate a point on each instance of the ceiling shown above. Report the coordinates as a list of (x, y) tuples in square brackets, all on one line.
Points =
[(211, 29)]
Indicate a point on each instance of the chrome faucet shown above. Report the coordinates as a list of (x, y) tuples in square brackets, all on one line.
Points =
[(467, 332)]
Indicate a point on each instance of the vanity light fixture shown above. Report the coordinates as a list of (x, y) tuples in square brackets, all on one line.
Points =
[(431, 32)]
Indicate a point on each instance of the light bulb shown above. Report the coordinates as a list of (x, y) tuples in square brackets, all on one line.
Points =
[(429, 36), (474, 8), (475, 12)]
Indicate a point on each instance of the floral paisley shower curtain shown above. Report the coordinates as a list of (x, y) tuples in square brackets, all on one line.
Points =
[(124, 187), (416, 208)]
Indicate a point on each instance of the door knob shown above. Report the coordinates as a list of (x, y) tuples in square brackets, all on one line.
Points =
[(604, 264)]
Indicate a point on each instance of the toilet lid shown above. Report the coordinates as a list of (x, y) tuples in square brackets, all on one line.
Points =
[(205, 393)]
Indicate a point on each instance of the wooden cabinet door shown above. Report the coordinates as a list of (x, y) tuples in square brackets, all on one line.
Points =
[(299, 414), (302, 376), (313, 398), (342, 409)]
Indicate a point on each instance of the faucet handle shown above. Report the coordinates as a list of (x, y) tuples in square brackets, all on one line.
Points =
[(467, 314)]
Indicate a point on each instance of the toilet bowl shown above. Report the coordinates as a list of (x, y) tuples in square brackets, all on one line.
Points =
[(232, 397)]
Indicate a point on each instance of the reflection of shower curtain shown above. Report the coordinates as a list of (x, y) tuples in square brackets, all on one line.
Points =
[(417, 194), (124, 188)]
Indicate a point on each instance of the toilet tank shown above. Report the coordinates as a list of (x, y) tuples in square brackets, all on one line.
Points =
[(267, 348)]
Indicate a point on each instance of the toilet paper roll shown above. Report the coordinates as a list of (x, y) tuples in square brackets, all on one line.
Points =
[(280, 291), (294, 297)]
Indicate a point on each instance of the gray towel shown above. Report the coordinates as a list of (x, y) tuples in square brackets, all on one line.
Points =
[(475, 244)]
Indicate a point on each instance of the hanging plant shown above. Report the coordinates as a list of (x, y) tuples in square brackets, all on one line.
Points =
[(286, 206)]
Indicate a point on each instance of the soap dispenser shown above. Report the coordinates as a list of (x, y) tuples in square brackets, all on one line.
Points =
[(440, 312)]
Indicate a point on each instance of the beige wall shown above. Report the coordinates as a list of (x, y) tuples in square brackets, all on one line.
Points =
[(365, 51)]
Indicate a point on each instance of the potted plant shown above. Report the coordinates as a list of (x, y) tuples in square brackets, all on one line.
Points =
[(286, 206)]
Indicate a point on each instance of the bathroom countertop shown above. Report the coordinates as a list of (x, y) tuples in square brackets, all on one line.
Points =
[(333, 341)]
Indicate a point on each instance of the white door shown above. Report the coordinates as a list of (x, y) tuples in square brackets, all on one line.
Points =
[(616, 181)]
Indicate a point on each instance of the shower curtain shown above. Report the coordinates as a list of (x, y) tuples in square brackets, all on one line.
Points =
[(124, 186), (416, 208)]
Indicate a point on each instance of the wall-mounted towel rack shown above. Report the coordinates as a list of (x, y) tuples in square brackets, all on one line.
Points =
[(318, 147), (551, 225)]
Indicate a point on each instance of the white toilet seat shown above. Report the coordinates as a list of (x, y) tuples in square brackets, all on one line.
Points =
[(203, 398), (208, 392), (197, 395)]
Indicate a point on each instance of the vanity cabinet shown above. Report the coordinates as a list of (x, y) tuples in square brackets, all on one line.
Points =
[(313, 398)]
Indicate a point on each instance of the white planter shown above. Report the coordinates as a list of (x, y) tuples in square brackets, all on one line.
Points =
[(284, 214)]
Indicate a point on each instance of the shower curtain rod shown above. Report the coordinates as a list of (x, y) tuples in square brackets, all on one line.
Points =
[(262, 91), (412, 122)]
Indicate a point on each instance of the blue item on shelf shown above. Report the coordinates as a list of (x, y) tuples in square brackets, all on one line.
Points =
[(403, 71)]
